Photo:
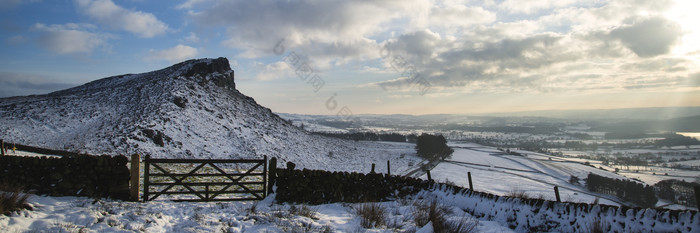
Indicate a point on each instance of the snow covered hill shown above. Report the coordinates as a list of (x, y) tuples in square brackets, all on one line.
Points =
[(188, 110)]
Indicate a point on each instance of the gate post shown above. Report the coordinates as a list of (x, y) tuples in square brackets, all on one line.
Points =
[(135, 177), (556, 193), (265, 191), (272, 174), (146, 181)]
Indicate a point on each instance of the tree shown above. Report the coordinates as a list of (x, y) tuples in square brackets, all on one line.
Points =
[(432, 147)]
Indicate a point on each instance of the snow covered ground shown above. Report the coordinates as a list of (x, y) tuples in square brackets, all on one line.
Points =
[(495, 172), (492, 172), (79, 214)]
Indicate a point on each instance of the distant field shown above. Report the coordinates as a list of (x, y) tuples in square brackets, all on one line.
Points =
[(536, 174), (495, 172)]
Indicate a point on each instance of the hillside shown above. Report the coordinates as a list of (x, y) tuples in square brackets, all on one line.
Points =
[(189, 110)]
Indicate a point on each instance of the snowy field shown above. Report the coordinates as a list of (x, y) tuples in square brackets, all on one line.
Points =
[(492, 172), (79, 214), (536, 174), (495, 172)]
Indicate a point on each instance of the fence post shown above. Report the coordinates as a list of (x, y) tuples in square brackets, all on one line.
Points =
[(388, 168), (429, 178), (469, 177), (697, 196), (372, 169), (146, 181), (556, 193), (3, 147), (272, 175), (265, 191), (135, 177)]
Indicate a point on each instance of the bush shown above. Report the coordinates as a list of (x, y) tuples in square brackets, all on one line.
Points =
[(12, 199), (433, 147), (371, 214)]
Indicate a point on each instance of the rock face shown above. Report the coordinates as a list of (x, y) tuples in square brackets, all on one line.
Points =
[(219, 65), (188, 110)]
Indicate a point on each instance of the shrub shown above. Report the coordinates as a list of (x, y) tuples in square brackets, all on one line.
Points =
[(371, 214), (12, 199)]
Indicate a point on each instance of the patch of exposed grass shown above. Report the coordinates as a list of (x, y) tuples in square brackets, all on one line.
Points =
[(371, 214), (517, 193), (437, 214), (303, 210), (12, 199), (595, 226)]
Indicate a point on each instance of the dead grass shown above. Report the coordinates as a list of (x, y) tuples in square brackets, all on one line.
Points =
[(303, 210), (517, 193), (371, 214), (436, 213), (12, 199), (595, 226)]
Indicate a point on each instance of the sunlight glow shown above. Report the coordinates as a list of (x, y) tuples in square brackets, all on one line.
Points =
[(685, 13)]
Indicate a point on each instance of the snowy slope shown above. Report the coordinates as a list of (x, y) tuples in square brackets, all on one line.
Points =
[(188, 110), (501, 174)]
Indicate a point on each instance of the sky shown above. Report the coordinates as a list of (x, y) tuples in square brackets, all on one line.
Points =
[(372, 57)]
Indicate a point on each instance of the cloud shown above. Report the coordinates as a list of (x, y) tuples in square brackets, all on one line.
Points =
[(174, 54), (18, 39), (273, 71), (340, 28), (190, 4), (648, 37), (533, 6), (142, 24), (463, 46), (192, 37), (16, 84), (69, 38)]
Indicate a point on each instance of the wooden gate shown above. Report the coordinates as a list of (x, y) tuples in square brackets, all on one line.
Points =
[(205, 179)]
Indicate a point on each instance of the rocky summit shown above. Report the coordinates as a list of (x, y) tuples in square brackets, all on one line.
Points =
[(189, 110)]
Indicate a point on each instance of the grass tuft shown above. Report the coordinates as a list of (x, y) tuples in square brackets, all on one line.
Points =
[(436, 213), (595, 226), (303, 210), (371, 214), (12, 199), (517, 193)]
